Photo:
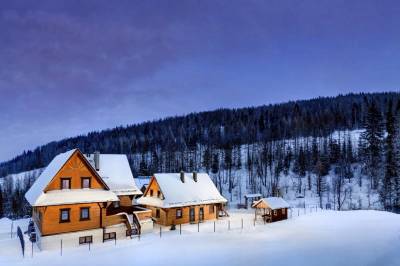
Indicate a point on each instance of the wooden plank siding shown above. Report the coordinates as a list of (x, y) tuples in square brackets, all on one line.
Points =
[(50, 222), (168, 215), (76, 168), (125, 200)]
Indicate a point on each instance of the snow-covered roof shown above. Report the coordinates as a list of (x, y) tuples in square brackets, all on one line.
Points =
[(142, 181), (46, 176), (273, 202), (116, 173), (71, 196), (177, 193)]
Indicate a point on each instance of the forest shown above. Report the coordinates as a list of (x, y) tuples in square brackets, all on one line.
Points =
[(296, 149)]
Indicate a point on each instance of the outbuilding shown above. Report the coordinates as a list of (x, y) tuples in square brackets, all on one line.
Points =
[(271, 209)]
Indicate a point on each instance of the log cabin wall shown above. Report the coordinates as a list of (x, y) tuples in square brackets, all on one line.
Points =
[(153, 189), (50, 222), (75, 168), (168, 216), (125, 201), (281, 214)]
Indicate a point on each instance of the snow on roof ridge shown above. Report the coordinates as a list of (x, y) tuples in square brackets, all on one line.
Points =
[(274, 202), (178, 193), (47, 175), (116, 173)]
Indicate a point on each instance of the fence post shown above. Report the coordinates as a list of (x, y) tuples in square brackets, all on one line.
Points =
[(32, 250), (298, 212), (229, 224), (61, 248), (198, 226), (242, 223), (180, 229), (139, 237), (89, 246), (115, 241), (214, 226), (160, 231), (254, 222)]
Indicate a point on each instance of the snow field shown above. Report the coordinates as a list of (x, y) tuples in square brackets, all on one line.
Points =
[(317, 238)]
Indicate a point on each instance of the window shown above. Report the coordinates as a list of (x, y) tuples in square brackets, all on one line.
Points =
[(85, 182), (85, 214), (158, 213), (116, 204), (65, 183), (151, 193), (109, 236), (178, 213), (158, 194), (283, 211), (211, 209), (85, 240), (64, 215), (275, 212), (267, 211)]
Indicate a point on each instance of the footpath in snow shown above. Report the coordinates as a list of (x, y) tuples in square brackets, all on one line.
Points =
[(318, 238)]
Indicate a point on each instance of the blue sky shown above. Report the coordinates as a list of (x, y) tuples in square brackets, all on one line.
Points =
[(70, 67)]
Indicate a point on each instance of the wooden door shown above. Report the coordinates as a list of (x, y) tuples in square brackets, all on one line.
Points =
[(201, 214), (192, 216)]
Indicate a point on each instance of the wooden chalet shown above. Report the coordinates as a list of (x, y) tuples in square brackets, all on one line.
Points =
[(79, 201), (271, 209), (179, 198)]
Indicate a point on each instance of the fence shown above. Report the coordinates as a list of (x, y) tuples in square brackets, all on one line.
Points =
[(238, 222)]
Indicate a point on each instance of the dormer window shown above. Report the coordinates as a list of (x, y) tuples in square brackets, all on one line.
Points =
[(151, 193), (65, 183), (158, 194), (85, 182)]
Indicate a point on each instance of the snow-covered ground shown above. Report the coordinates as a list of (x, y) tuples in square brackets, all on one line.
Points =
[(317, 238)]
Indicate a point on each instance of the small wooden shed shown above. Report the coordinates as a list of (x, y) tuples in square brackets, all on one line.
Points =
[(271, 209)]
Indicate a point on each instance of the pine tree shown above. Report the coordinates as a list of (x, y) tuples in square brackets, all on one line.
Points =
[(373, 139), (207, 159), (396, 154), (386, 190)]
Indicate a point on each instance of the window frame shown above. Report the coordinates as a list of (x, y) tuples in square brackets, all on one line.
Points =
[(90, 182), (211, 209), (80, 213), (158, 213), (85, 240), (62, 179), (109, 234), (68, 210), (181, 213)]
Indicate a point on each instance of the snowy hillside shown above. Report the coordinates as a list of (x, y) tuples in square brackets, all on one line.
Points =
[(355, 238), (356, 191)]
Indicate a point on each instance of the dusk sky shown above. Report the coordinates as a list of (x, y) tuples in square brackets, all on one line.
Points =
[(70, 67)]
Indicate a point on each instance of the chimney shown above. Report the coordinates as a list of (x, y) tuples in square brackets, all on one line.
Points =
[(96, 157), (195, 176), (183, 177)]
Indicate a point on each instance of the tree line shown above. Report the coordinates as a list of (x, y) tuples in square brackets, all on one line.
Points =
[(273, 150)]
